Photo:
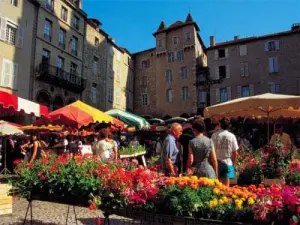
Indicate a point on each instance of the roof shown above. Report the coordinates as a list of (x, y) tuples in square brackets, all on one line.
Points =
[(253, 38), (147, 50)]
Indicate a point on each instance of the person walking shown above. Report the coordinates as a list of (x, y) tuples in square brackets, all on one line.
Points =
[(226, 147), (170, 155)]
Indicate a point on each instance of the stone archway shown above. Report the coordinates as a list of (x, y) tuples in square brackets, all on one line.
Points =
[(57, 103), (43, 98)]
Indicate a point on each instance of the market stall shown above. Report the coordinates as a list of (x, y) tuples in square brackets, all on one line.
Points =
[(129, 118)]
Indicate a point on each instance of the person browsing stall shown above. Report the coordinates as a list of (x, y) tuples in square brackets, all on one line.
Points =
[(170, 154), (283, 137), (226, 147)]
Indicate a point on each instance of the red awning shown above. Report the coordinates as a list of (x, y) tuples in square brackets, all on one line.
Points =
[(9, 104)]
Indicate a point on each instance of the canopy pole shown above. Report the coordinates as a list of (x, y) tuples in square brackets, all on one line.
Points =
[(268, 128)]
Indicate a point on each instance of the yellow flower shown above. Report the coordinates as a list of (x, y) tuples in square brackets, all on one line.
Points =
[(216, 191), (194, 177), (221, 202), (238, 203), (250, 201)]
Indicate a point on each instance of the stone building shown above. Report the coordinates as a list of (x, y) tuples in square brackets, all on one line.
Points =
[(17, 19), (59, 50), (108, 69), (255, 65), (165, 75)]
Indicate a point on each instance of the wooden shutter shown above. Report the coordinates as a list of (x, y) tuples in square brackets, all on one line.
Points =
[(227, 71), (229, 93), (20, 37), (217, 74), (242, 70), (6, 79), (251, 89), (3, 28), (246, 69), (217, 95), (277, 44), (239, 91), (271, 68), (226, 53), (276, 65), (14, 78), (271, 85), (267, 46), (216, 55)]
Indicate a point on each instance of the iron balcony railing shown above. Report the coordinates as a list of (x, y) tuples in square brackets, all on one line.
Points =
[(58, 77)]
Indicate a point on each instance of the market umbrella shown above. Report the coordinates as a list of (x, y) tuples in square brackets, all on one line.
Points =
[(259, 106), (176, 120), (155, 121), (7, 128), (76, 115), (129, 118)]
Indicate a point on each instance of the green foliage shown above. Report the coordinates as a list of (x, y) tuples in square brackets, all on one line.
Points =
[(131, 150), (293, 178)]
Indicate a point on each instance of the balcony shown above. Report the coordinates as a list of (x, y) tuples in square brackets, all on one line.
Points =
[(60, 78)]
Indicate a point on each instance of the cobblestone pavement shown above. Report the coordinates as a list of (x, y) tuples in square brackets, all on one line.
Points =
[(47, 213)]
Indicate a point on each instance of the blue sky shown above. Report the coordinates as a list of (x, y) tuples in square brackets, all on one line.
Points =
[(132, 22)]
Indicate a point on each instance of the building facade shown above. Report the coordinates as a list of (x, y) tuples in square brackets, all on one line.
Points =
[(59, 50), (119, 79), (17, 23), (255, 65), (165, 76)]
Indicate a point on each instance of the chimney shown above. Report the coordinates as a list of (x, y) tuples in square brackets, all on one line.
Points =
[(236, 37), (295, 26), (212, 41)]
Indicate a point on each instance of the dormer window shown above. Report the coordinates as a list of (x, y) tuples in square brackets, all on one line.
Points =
[(159, 43), (188, 36)]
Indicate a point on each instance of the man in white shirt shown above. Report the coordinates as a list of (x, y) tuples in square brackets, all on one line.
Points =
[(226, 147)]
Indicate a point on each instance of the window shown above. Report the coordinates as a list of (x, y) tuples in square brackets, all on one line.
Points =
[(183, 72), (222, 72), (110, 94), (145, 99), (244, 69), (128, 60), (76, 21), (175, 40), (169, 77), (221, 53), (145, 64), (274, 87), (180, 55), (118, 77), (111, 70), (14, 2), (184, 93), (64, 14), (169, 95), (9, 77), (243, 50), (95, 65), (201, 97), (171, 57), (145, 81), (245, 91), (223, 95), (60, 62), (273, 65), (272, 45), (159, 43), (11, 33), (118, 55), (188, 36), (50, 5), (96, 42), (62, 38), (46, 55), (94, 93), (73, 69), (74, 46), (47, 30)]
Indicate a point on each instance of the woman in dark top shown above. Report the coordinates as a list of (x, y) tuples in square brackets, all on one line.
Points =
[(36, 151), (202, 153)]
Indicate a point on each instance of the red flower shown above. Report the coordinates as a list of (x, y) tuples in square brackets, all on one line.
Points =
[(29, 165), (92, 206), (17, 162), (45, 160), (298, 209), (99, 221)]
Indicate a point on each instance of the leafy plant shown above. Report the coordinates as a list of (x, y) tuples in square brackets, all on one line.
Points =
[(131, 150)]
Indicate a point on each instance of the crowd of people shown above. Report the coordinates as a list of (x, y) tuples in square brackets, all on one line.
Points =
[(212, 154)]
